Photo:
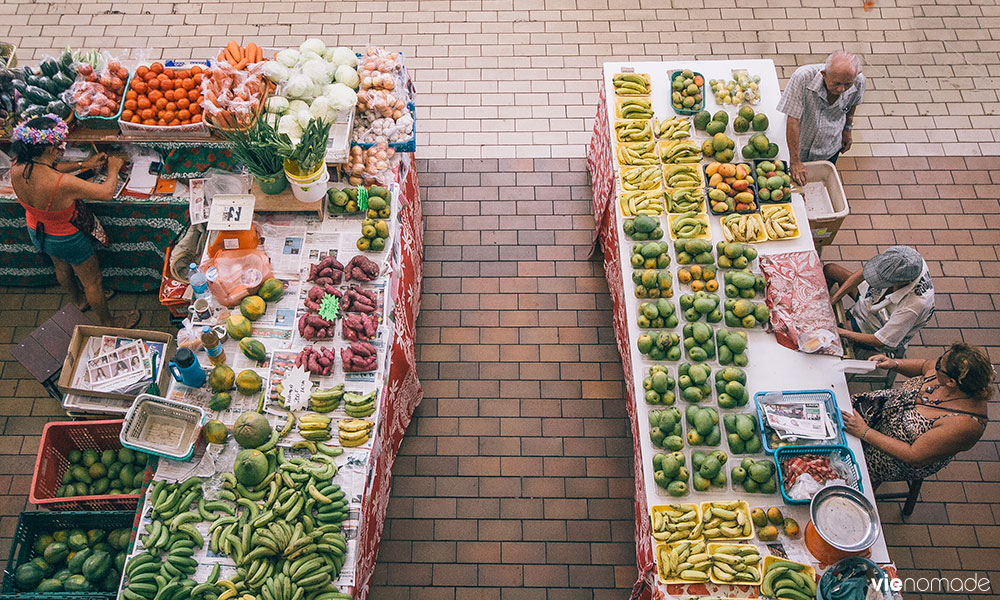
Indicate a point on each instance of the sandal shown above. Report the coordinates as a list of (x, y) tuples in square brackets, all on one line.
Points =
[(128, 320), (108, 295)]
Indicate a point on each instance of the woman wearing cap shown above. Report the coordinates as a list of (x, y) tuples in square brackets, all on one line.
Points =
[(913, 431), (48, 193), (894, 298)]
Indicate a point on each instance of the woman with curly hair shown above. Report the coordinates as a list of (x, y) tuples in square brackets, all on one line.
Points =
[(48, 193), (913, 431)]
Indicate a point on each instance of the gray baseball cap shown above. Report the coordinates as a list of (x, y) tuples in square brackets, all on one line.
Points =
[(898, 264)]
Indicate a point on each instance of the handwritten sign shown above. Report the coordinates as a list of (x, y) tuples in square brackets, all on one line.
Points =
[(296, 388)]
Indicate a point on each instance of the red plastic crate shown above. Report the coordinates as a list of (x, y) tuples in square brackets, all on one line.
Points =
[(58, 439)]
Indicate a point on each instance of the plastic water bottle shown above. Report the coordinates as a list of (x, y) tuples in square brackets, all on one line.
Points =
[(213, 347), (199, 284)]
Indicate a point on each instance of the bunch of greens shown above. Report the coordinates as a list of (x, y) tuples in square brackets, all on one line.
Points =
[(310, 152), (257, 148)]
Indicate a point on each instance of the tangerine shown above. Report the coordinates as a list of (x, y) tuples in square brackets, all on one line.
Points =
[(184, 115), (131, 105), (161, 104), (168, 72), (187, 84), (127, 115), (149, 122), (141, 71), (154, 84), (139, 86), (149, 76), (167, 84), (135, 119), (161, 123), (155, 95), (168, 115), (194, 95), (196, 119), (143, 102), (156, 67), (196, 69), (171, 107), (174, 123), (147, 114), (183, 103), (197, 79), (169, 95)]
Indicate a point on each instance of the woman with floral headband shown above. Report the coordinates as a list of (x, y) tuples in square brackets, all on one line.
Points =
[(48, 193)]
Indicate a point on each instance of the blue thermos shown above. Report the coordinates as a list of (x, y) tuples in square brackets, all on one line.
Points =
[(185, 368)]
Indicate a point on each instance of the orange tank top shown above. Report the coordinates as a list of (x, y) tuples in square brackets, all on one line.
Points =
[(56, 222)]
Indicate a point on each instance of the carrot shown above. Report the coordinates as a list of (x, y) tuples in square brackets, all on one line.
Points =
[(221, 54), (233, 48), (252, 50), (240, 65), (231, 58)]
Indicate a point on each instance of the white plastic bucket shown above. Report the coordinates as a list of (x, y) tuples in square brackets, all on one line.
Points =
[(309, 189)]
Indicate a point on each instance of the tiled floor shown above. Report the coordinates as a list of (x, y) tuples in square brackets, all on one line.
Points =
[(514, 480)]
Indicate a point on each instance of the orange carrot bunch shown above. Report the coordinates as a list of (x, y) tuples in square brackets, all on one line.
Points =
[(232, 96), (239, 57)]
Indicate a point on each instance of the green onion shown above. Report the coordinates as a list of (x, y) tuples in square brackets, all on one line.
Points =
[(310, 152), (256, 147)]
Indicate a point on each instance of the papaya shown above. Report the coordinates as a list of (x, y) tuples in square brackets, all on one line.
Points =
[(75, 564), (220, 401), (55, 553), (238, 327), (248, 382), (40, 562), (48, 586), (253, 349), (214, 432), (96, 566), (221, 379), (76, 583), (253, 307), (77, 540), (251, 429), (28, 576), (110, 581), (271, 290)]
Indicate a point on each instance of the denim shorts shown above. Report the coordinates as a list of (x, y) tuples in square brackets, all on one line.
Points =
[(74, 248)]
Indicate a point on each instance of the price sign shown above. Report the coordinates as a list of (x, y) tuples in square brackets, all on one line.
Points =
[(297, 388)]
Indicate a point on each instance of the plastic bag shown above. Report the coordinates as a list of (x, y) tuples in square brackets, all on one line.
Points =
[(98, 92), (805, 487), (382, 103), (373, 131), (371, 165), (232, 98), (801, 316), (218, 182), (188, 338)]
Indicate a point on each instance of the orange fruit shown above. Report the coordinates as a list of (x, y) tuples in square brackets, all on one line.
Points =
[(141, 71), (135, 119), (171, 107), (197, 79), (161, 103), (161, 123), (143, 102), (149, 122), (196, 69), (155, 95), (147, 114), (168, 72), (127, 115), (184, 115), (196, 119), (139, 86), (167, 84), (188, 84), (169, 95), (149, 76), (183, 103), (194, 95), (131, 95), (168, 115), (156, 67), (131, 105), (174, 123), (188, 122), (195, 109), (154, 84)]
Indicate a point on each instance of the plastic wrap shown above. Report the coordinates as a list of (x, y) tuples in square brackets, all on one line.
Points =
[(370, 130), (380, 69), (98, 92), (232, 97), (371, 165), (801, 316)]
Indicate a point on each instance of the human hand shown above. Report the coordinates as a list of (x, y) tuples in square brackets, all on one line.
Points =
[(846, 140), (799, 173), (884, 362), (115, 163), (94, 161), (854, 424)]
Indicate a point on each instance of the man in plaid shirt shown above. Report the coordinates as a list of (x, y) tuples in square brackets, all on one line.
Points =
[(820, 101)]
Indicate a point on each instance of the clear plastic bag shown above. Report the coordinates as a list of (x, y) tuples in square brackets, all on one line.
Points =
[(380, 69), (98, 92), (382, 103), (371, 165), (368, 130), (231, 98)]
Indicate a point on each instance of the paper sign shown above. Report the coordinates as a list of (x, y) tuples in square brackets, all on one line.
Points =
[(296, 388), (231, 212), (329, 307), (197, 201)]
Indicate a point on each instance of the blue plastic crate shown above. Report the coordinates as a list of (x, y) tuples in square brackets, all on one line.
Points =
[(826, 396), (786, 452)]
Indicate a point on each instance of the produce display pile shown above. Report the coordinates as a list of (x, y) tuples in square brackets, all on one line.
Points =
[(700, 190)]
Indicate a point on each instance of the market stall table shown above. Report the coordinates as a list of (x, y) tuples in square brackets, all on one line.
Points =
[(771, 367)]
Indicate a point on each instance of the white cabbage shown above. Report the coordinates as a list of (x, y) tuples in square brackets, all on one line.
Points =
[(276, 71), (347, 76), (344, 56), (288, 57), (314, 45), (341, 97), (276, 104)]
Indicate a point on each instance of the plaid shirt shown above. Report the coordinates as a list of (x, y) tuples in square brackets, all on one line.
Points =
[(821, 124)]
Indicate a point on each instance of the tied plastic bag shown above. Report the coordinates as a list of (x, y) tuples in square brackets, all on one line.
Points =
[(380, 69), (232, 98), (382, 103), (368, 130), (370, 166), (98, 92), (805, 487), (801, 316)]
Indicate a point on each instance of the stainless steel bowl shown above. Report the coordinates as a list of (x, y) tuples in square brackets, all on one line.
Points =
[(844, 518)]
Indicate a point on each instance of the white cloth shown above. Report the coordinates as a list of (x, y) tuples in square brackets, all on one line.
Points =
[(895, 318), (821, 124)]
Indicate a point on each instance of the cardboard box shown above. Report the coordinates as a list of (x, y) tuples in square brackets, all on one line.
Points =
[(80, 336)]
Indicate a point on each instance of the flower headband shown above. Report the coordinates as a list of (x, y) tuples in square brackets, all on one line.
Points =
[(51, 136)]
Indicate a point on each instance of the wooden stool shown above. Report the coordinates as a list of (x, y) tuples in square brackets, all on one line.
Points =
[(910, 496), (43, 351)]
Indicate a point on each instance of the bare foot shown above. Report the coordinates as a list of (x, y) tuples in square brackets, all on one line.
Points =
[(84, 306), (126, 321)]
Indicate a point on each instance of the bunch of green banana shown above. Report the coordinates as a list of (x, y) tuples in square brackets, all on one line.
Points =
[(689, 225), (635, 108), (359, 405), (726, 520), (326, 400), (686, 199), (642, 178), (683, 176), (679, 152), (637, 154), (742, 228), (779, 221), (354, 432), (675, 128), (736, 563), (633, 130), (631, 84), (688, 561), (676, 522), (314, 427), (785, 579), (640, 203)]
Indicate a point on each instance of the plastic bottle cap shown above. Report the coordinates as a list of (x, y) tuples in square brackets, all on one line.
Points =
[(193, 266), (206, 329), (184, 357)]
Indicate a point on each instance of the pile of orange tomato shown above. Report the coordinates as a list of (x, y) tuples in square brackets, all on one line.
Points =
[(165, 97)]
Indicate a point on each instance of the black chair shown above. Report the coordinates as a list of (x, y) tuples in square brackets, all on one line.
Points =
[(910, 496)]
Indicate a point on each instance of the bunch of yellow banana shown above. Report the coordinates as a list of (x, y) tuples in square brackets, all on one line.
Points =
[(685, 560), (354, 432), (631, 84), (779, 221), (314, 427), (689, 225), (742, 228), (324, 401), (679, 152), (726, 520), (637, 154), (635, 108), (687, 199), (683, 176), (737, 563), (676, 522), (633, 130), (675, 128), (642, 178), (641, 203)]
